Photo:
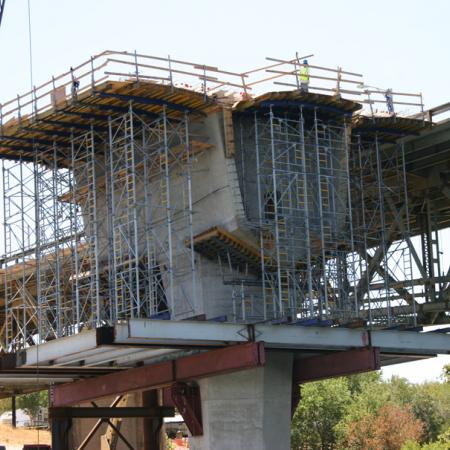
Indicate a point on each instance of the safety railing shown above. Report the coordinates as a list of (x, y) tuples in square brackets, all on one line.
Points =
[(206, 79), (392, 102), (326, 80)]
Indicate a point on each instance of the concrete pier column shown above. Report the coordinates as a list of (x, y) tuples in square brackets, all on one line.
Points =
[(248, 410)]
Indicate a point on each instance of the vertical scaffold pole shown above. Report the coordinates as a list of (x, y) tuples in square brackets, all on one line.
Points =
[(38, 244), (350, 212), (166, 182), (306, 215), (408, 228), (132, 170), (364, 231), (289, 178), (113, 219), (383, 228), (22, 226), (260, 214), (76, 237), (322, 234), (57, 257), (276, 215), (191, 212), (5, 244)]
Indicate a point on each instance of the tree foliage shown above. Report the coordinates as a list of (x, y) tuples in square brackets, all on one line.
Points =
[(322, 406), (442, 443), (446, 373), (32, 402), (363, 410)]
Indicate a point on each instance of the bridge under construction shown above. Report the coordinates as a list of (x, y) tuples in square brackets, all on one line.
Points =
[(180, 236)]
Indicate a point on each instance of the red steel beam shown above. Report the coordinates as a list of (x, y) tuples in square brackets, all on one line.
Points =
[(214, 362), (336, 364)]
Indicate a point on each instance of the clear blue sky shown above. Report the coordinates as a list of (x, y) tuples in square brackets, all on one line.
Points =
[(401, 44)]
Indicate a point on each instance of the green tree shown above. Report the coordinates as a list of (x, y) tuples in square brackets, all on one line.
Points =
[(446, 373), (431, 404), (330, 409), (442, 443), (322, 406), (371, 395), (358, 383), (32, 402), (5, 405)]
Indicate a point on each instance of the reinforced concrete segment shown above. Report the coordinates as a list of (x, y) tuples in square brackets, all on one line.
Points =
[(248, 410)]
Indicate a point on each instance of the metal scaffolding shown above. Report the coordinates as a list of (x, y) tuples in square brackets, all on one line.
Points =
[(97, 232), (20, 320), (110, 212), (298, 165), (383, 222), (150, 208)]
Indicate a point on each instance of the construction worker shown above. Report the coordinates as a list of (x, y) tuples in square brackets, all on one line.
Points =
[(75, 85), (304, 76), (389, 101)]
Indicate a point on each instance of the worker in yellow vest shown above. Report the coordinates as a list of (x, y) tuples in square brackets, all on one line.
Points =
[(304, 76)]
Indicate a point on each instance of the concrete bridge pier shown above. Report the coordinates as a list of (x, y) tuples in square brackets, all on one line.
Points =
[(248, 410)]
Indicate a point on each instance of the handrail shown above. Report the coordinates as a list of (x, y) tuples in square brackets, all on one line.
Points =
[(119, 65)]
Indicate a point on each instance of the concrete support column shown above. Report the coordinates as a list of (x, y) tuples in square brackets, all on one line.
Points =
[(248, 410)]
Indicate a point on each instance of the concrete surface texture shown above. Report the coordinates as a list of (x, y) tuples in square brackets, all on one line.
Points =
[(247, 410)]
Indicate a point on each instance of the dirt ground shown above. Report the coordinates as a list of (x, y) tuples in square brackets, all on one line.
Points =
[(13, 439)]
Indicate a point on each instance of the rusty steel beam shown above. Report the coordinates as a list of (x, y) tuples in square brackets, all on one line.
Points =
[(210, 363), (336, 364), (187, 400)]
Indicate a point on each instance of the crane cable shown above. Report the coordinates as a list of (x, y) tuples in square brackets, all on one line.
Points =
[(2, 8), (30, 55), (30, 45)]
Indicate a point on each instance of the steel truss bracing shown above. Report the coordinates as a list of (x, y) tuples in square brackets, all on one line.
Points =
[(96, 231), (386, 269), (332, 214)]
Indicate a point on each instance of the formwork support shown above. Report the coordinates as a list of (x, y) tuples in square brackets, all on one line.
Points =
[(95, 230), (303, 212)]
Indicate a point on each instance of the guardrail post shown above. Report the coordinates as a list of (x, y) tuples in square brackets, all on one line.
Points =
[(421, 108), (338, 81), (34, 102), (204, 81), (296, 69), (137, 67), (92, 74), (19, 114), (170, 73)]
